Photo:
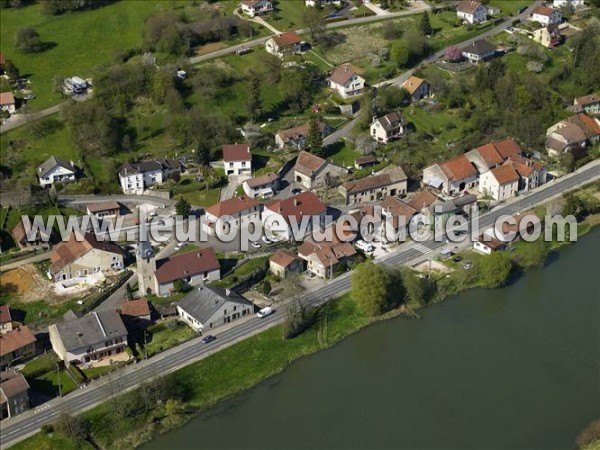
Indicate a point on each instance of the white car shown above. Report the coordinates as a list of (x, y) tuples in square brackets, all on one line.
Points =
[(255, 244), (366, 247), (266, 240), (264, 312), (180, 245)]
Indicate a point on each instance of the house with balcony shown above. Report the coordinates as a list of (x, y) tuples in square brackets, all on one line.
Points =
[(284, 44), (255, 8), (471, 11), (345, 81), (237, 159), (55, 170), (135, 178), (264, 186), (388, 128)]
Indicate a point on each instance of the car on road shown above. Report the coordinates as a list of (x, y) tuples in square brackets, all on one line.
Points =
[(523, 9), (255, 244), (265, 312), (510, 30), (180, 245), (266, 240), (366, 247), (297, 191), (208, 339)]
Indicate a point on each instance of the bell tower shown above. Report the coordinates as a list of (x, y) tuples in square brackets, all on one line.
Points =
[(146, 266)]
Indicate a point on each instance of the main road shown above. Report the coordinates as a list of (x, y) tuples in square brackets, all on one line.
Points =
[(28, 423)]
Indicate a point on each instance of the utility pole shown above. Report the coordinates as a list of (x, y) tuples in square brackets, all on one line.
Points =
[(145, 351), (59, 384)]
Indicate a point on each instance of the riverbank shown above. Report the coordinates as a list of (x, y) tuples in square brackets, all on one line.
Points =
[(237, 368)]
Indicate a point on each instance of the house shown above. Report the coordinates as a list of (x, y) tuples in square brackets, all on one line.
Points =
[(487, 243), (209, 307), (589, 104), (84, 255), (479, 51), (507, 148), (19, 235), (296, 137), (90, 338), (55, 170), (7, 102), (572, 134), (396, 215), (417, 88), (549, 36), (193, 268), (256, 7), (421, 200), (288, 43), (326, 258), (572, 3), (6, 324), (485, 157), (500, 183), (313, 171), (263, 186), (390, 181), (240, 212), (452, 176), (471, 11), (442, 209), (136, 312), (545, 15), (389, 127), (17, 346), (322, 3), (284, 263), (135, 178), (74, 85), (237, 159), (365, 161), (283, 216), (2, 63), (104, 210), (531, 173), (14, 394), (345, 81)]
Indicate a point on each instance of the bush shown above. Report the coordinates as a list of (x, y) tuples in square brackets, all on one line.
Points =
[(48, 428)]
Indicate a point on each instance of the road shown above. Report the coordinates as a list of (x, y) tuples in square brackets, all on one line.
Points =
[(28, 423), (21, 262)]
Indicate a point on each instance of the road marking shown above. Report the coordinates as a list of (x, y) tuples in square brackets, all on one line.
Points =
[(422, 249)]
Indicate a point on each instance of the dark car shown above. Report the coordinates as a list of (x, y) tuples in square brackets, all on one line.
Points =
[(457, 259), (208, 339), (296, 191)]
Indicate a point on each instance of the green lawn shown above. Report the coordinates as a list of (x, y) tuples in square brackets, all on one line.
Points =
[(47, 384), (168, 334), (509, 7), (444, 125), (287, 15), (205, 197), (188, 248), (342, 154)]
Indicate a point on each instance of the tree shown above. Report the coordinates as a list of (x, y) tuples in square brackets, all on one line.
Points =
[(314, 20), (534, 254), (453, 54), (72, 427), (425, 25), (11, 70), (374, 289), (183, 207), (27, 40), (494, 269), (400, 53), (315, 137), (392, 97), (253, 101), (128, 292), (418, 290)]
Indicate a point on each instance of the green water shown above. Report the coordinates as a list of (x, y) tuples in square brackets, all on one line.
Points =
[(511, 368)]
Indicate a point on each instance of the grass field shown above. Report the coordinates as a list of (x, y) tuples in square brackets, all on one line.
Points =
[(288, 15), (205, 197), (509, 7), (173, 333)]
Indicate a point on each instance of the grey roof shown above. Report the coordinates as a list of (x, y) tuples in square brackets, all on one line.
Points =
[(149, 166), (464, 200), (392, 120), (51, 163), (202, 303), (95, 328), (480, 47)]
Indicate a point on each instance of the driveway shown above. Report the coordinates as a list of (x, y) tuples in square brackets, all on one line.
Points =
[(235, 181)]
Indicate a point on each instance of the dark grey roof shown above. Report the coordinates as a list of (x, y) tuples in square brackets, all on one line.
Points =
[(204, 301), (464, 200), (392, 120), (149, 166), (479, 47), (51, 163), (95, 328)]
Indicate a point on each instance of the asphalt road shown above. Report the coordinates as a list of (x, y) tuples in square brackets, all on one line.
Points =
[(28, 423)]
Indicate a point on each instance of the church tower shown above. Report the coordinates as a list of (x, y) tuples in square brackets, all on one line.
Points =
[(146, 266)]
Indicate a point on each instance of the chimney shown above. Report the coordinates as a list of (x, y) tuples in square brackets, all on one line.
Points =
[(228, 292), (296, 202)]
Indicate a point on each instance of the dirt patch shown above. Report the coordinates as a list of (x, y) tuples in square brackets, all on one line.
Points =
[(432, 266), (209, 48), (28, 284)]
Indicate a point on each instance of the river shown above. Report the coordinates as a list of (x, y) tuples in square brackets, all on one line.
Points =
[(516, 367)]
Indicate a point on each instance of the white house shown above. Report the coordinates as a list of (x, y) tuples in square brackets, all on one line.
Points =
[(256, 7), (263, 186), (500, 183), (545, 15), (279, 216), (237, 159), (135, 178), (7, 102), (55, 170), (487, 242), (479, 51), (209, 307), (345, 81), (452, 176), (240, 211), (572, 3), (322, 3), (389, 127), (471, 11), (288, 43), (296, 137), (417, 88)]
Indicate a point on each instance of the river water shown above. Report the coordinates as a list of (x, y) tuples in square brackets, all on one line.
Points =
[(516, 367)]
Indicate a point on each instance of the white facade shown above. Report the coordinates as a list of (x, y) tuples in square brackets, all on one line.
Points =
[(241, 219), (547, 19), (166, 289), (238, 167), (256, 8), (488, 184), (278, 225), (137, 183), (479, 15), (322, 2), (354, 86), (9, 107), (58, 174), (573, 3)]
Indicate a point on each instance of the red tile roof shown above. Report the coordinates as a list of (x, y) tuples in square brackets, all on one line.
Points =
[(69, 251), (308, 164), (458, 168), (505, 174), (15, 339), (412, 84), (135, 308), (421, 199), (287, 38), (341, 74), (5, 314), (236, 152), (507, 147), (11, 383), (232, 206), (490, 155), (305, 204), (7, 98), (187, 265), (543, 10), (103, 206), (468, 6), (282, 258), (263, 180)]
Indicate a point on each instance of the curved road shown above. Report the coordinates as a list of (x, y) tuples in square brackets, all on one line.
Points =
[(26, 424)]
